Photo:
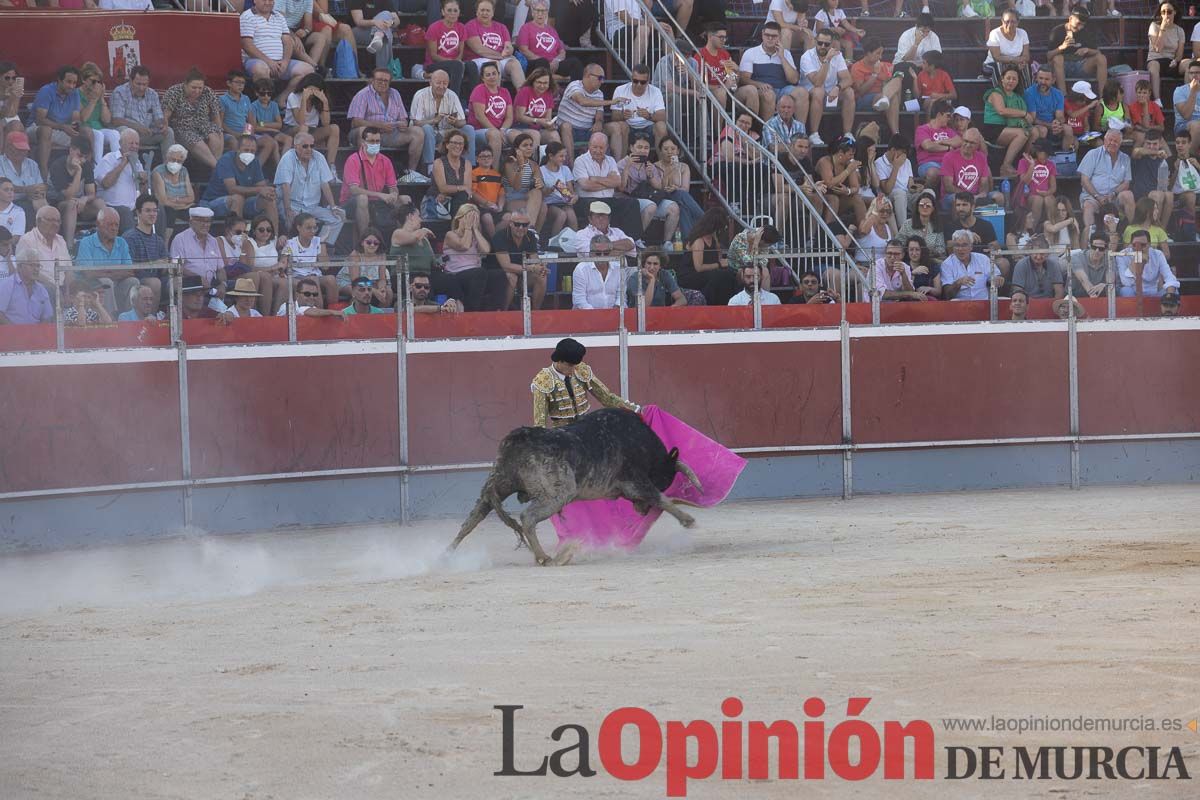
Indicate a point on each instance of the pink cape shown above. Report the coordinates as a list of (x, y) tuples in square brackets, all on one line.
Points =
[(615, 523)]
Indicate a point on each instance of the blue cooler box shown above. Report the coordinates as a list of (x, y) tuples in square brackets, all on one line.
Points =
[(994, 215)]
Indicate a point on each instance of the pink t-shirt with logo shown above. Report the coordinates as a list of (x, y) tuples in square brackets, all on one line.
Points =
[(1039, 181), (495, 106), (494, 36), (535, 105), (448, 40), (543, 42), (966, 175), (927, 132)]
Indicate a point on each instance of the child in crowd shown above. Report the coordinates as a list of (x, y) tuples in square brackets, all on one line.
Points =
[(1112, 107), (1079, 105), (1145, 114), (1038, 182), (1151, 175), (933, 83), (265, 118), (1184, 180), (832, 17), (487, 191), (235, 117), (794, 24)]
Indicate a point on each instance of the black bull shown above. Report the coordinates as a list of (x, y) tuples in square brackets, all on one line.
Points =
[(607, 454)]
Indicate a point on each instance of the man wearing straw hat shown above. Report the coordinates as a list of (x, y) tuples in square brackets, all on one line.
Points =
[(244, 298), (560, 390)]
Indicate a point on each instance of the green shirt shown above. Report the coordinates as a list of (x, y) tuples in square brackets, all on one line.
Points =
[(1014, 100), (420, 257), (350, 310)]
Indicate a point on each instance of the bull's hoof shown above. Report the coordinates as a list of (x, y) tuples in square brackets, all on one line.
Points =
[(687, 521), (565, 554), (544, 561)]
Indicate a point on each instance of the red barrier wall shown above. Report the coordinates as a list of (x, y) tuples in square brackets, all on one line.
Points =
[(169, 43), (256, 416), (17, 338), (108, 417), (462, 404), (89, 425), (974, 386), (1138, 382), (751, 395)]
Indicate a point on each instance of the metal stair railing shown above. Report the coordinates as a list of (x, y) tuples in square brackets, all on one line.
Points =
[(746, 177)]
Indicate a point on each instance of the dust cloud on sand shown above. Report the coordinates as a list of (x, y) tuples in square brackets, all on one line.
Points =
[(357, 664), (203, 567)]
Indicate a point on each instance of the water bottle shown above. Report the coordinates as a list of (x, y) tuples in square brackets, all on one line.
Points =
[(677, 246), (1006, 188)]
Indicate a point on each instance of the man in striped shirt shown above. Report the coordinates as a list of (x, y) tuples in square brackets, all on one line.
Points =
[(267, 47)]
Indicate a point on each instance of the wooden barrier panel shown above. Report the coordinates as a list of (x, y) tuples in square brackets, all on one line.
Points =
[(267, 415), (89, 425), (462, 404), (746, 395), (972, 386), (1138, 382), (111, 416)]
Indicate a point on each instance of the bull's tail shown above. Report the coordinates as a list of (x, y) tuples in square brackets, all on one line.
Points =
[(687, 472), (498, 506)]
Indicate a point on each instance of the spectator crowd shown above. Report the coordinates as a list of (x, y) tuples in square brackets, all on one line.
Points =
[(268, 194)]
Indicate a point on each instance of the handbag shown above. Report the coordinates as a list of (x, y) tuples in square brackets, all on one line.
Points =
[(646, 191), (345, 61)]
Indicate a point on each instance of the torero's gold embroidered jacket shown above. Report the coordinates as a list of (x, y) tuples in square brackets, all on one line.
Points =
[(553, 405)]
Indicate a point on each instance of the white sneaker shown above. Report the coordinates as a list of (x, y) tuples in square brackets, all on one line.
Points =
[(815, 140), (376, 43), (883, 104), (412, 176)]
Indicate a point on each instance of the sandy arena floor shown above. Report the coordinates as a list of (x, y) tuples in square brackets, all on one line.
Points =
[(356, 664)]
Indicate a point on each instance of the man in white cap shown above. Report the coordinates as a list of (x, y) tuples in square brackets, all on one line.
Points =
[(960, 120), (199, 250), (599, 216)]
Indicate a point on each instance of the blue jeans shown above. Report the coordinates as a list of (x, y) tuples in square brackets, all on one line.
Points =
[(689, 210), (430, 152)]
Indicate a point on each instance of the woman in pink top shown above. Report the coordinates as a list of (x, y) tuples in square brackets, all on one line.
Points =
[(488, 40), (491, 111), (1038, 182), (541, 44), (444, 43), (534, 107)]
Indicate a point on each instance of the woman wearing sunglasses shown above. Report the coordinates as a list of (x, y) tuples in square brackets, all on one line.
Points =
[(368, 260)]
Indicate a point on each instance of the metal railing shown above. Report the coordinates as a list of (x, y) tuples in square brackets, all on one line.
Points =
[(626, 342), (746, 176)]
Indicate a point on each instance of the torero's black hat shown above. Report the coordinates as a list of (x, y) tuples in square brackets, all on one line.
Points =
[(570, 351)]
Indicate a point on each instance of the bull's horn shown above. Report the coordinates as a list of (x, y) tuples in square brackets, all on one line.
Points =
[(691, 476)]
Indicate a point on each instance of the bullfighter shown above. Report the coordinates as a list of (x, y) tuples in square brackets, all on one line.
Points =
[(560, 390)]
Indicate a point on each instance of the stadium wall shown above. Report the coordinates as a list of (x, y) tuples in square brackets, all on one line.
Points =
[(288, 435), (169, 43)]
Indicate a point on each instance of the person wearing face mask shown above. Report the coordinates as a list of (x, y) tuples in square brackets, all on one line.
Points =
[(369, 190), (238, 186), (172, 188), (231, 244)]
